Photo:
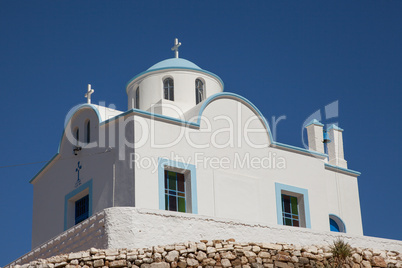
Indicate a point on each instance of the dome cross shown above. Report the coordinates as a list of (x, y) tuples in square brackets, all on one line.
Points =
[(175, 48), (89, 93)]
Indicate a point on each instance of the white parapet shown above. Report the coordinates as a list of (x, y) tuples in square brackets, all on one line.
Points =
[(128, 227)]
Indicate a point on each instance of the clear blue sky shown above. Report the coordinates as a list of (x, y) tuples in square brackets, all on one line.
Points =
[(287, 57)]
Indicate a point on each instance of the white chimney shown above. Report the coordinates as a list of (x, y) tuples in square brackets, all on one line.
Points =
[(335, 147), (315, 136)]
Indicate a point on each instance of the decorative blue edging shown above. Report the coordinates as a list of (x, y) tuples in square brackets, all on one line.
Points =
[(73, 193), (294, 148), (278, 191), (70, 114), (43, 168), (333, 126), (349, 171), (337, 218), (176, 68), (162, 162), (197, 124), (314, 122)]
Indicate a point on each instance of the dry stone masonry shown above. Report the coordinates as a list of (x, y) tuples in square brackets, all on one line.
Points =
[(217, 253)]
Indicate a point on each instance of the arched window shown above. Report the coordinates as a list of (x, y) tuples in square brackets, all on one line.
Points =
[(336, 224), (77, 135), (88, 132), (168, 89), (137, 98), (199, 91)]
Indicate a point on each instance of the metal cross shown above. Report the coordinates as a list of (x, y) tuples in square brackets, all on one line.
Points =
[(78, 175), (89, 93), (175, 48)]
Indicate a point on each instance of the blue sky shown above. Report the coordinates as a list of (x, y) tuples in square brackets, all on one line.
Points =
[(289, 58)]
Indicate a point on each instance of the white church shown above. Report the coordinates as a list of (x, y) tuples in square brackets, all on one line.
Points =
[(188, 151)]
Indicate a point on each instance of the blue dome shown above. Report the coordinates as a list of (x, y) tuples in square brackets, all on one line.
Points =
[(174, 63)]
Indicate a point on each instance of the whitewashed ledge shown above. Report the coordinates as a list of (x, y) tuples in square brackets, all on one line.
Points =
[(128, 227)]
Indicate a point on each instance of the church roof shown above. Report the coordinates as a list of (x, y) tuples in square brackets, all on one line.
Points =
[(174, 63)]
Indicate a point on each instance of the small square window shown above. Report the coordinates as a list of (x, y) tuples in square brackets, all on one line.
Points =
[(78, 205), (177, 186), (81, 209), (175, 191), (290, 210), (292, 206)]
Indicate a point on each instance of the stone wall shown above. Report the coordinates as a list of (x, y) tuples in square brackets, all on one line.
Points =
[(217, 253)]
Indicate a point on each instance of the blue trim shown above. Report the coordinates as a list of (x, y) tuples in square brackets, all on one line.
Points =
[(278, 191), (340, 220), (333, 126), (70, 114), (73, 193), (162, 162), (197, 124), (142, 112), (238, 97), (315, 122), (73, 110), (353, 172), (174, 62), (43, 168), (294, 148), (175, 68)]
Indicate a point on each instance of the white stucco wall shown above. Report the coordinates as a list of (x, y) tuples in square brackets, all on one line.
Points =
[(98, 168), (231, 189), (243, 192), (151, 90)]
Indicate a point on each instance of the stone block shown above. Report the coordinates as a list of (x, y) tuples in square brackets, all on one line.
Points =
[(228, 255), (118, 263), (160, 265), (99, 263), (211, 250), (378, 261), (202, 246), (271, 246), (264, 254), (73, 256), (201, 256), (192, 262), (172, 256), (226, 263), (60, 264), (281, 264), (112, 252)]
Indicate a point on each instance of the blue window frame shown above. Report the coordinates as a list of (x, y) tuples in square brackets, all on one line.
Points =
[(177, 182), (336, 224), (175, 191), (70, 204), (81, 209), (292, 205)]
